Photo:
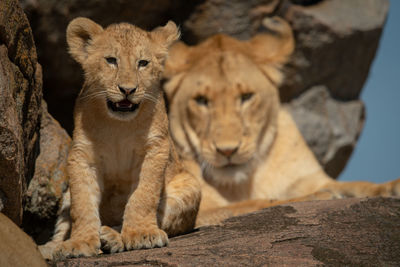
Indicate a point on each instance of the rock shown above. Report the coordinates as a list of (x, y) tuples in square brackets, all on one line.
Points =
[(16, 247), (234, 18), (330, 127), (336, 42), (20, 107), (49, 181), (346, 232)]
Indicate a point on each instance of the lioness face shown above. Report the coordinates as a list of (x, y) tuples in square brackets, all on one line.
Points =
[(122, 64), (223, 99), (227, 113)]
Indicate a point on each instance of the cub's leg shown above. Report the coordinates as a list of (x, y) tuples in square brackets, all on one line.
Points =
[(176, 213), (62, 228), (139, 227), (179, 205), (84, 211)]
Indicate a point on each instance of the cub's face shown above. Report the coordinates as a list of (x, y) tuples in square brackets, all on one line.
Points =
[(122, 64), (223, 100)]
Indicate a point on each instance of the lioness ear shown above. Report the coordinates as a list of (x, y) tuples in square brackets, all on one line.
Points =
[(177, 59), (80, 33), (272, 49)]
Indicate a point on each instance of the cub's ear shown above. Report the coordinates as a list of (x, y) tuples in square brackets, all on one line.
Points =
[(273, 48), (166, 35), (80, 33)]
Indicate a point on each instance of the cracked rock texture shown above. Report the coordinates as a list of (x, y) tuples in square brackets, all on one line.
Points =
[(20, 107), (33, 146), (346, 232), (336, 41)]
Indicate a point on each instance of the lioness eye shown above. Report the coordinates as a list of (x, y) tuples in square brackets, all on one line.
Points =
[(111, 60), (143, 63), (201, 100), (245, 96)]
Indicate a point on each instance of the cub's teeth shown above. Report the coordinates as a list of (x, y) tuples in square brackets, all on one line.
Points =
[(118, 105)]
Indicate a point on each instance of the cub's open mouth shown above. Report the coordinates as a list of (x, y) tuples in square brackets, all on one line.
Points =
[(122, 106)]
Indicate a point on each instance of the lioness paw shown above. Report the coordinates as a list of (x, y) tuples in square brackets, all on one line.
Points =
[(111, 240), (76, 248), (395, 187), (144, 238)]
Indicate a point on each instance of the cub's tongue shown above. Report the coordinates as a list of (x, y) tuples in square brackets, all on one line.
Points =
[(124, 104)]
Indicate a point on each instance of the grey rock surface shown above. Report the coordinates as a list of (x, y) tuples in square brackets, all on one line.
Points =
[(345, 232), (330, 127), (50, 179)]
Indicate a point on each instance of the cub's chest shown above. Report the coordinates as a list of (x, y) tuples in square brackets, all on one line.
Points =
[(120, 159)]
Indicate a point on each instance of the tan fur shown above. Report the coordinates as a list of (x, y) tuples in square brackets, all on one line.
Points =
[(123, 167), (226, 120)]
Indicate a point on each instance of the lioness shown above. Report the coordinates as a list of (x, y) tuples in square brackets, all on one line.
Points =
[(227, 122), (123, 167)]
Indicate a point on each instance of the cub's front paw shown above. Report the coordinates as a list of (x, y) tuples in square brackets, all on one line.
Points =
[(144, 238), (78, 247), (111, 240), (48, 249)]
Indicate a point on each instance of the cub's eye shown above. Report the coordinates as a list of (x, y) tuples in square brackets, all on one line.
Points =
[(201, 100), (111, 60), (143, 63), (245, 97)]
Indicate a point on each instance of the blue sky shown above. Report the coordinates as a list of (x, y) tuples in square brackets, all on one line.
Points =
[(377, 154)]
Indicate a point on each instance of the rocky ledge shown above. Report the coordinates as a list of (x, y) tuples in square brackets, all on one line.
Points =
[(350, 232)]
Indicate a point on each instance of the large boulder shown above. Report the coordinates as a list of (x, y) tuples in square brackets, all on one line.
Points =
[(336, 41), (346, 232), (33, 146), (16, 247), (20, 107), (50, 179)]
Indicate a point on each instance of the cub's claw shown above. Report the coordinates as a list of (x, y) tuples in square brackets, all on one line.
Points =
[(144, 238), (111, 240), (75, 248)]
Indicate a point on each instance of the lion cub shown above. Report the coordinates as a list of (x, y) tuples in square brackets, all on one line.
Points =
[(123, 166)]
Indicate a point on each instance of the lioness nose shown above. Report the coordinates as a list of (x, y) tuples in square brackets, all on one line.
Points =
[(126, 90), (227, 152)]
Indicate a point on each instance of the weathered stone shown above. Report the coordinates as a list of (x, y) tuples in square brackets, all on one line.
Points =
[(49, 181), (234, 18), (20, 107), (346, 232), (330, 127), (336, 42), (16, 247)]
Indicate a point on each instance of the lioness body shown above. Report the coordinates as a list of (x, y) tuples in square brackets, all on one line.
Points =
[(226, 120), (122, 166)]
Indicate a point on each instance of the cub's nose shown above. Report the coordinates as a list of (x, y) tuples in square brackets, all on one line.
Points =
[(227, 152), (127, 90)]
